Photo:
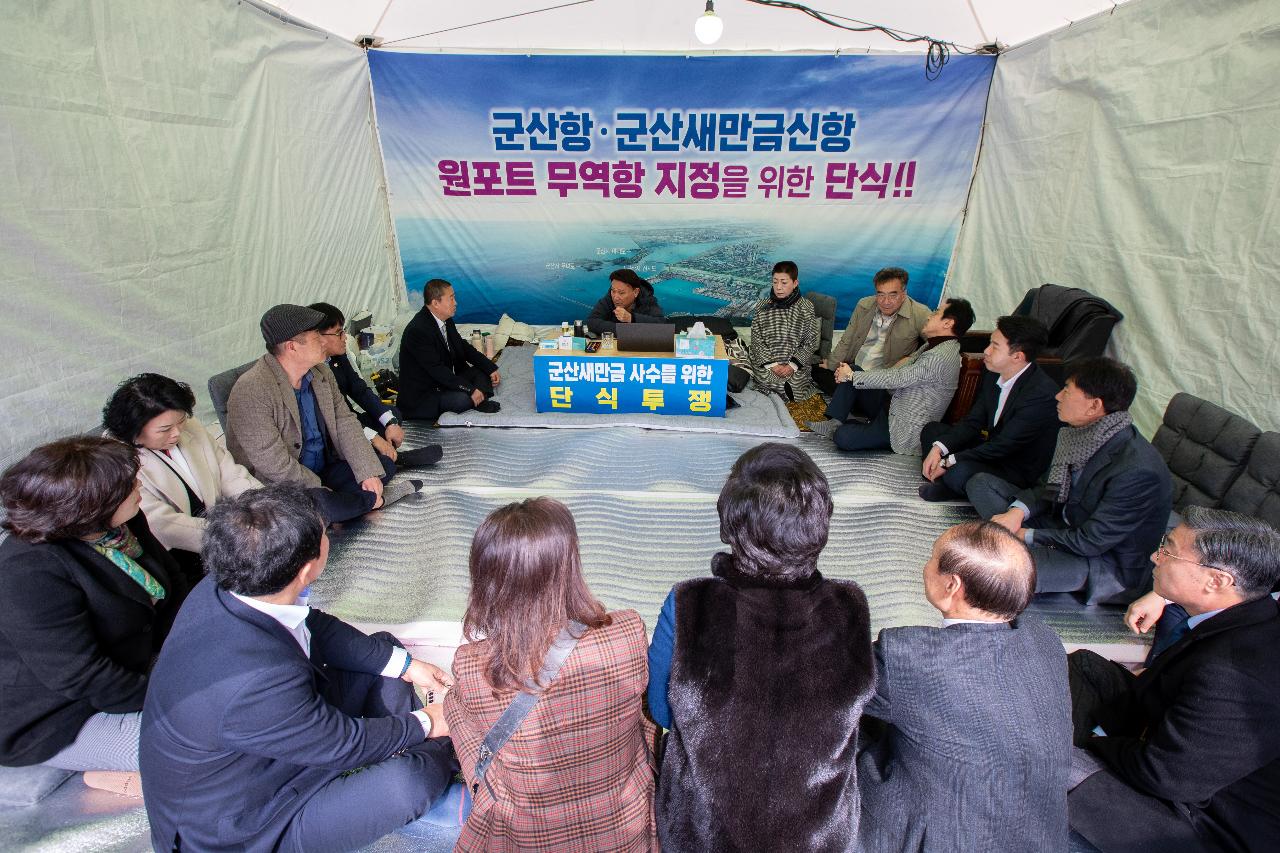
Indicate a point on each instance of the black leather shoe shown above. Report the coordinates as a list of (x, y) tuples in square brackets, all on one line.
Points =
[(937, 491), (489, 407), (419, 457)]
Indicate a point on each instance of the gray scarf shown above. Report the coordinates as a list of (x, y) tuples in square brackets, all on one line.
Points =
[(1076, 446)]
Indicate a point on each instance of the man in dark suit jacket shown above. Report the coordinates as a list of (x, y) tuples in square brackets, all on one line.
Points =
[(381, 422), (1191, 755), (1101, 508), (1012, 427), (976, 745), (258, 704), (439, 371)]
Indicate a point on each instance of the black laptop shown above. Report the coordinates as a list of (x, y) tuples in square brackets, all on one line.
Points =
[(646, 337)]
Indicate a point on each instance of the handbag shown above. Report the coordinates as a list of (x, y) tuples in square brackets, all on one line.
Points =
[(522, 703)]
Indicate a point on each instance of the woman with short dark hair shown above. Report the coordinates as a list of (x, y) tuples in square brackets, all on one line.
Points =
[(577, 774), (761, 673), (88, 596), (184, 471), (784, 337)]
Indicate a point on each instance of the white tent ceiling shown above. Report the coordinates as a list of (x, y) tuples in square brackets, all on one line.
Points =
[(667, 25)]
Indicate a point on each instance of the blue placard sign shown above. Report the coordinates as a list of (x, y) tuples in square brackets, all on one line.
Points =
[(601, 385)]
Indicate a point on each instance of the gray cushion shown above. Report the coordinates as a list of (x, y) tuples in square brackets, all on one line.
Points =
[(26, 786), (1205, 447), (825, 307), (220, 387), (1256, 491)]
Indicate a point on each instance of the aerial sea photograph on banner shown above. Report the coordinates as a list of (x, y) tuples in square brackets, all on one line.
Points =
[(526, 180)]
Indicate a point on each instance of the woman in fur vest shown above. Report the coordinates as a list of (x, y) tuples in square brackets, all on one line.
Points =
[(760, 673)]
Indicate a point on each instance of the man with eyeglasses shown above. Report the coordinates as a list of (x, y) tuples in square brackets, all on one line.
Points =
[(1186, 755), (883, 330), (287, 422), (381, 421)]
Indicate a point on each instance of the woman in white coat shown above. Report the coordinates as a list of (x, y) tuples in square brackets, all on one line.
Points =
[(184, 471)]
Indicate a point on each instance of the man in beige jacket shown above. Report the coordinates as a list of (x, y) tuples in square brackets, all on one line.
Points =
[(883, 330), (288, 423)]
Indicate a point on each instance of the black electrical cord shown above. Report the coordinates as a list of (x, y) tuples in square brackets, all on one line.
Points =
[(490, 21), (937, 55)]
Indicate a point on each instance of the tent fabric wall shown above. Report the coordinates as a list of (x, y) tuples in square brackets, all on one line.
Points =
[(171, 170), (1137, 155)]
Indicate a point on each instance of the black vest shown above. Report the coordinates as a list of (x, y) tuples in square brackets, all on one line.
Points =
[(768, 682)]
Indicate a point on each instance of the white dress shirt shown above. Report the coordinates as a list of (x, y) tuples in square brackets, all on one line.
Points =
[(1005, 386)]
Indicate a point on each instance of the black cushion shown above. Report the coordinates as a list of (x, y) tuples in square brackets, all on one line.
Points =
[(824, 306), (1206, 448), (220, 386), (1256, 491)]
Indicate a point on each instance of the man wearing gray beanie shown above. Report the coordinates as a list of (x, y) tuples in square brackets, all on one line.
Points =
[(287, 422)]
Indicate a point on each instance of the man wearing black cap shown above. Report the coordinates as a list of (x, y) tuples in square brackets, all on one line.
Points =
[(287, 422)]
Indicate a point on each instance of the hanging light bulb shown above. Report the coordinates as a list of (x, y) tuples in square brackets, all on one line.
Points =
[(709, 26)]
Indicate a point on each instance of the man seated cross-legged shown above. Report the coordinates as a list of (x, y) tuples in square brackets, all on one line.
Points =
[(1011, 429), (863, 416), (440, 371), (1186, 755), (1102, 506), (269, 725), (288, 422), (975, 745)]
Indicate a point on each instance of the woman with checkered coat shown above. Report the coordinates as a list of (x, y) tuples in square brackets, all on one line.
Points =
[(578, 774), (784, 337)]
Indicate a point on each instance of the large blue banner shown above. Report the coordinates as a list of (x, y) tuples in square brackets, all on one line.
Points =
[(525, 180)]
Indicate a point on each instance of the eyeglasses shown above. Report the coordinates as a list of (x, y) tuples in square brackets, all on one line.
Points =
[(338, 334), (1164, 540)]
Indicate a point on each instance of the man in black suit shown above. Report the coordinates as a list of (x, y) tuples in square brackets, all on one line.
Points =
[(1101, 508), (439, 371), (1190, 759), (381, 422), (977, 740), (1011, 429), (260, 705)]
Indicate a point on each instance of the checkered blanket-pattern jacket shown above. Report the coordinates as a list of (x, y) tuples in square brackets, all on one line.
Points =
[(577, 775), (922, 389), (784, 334)]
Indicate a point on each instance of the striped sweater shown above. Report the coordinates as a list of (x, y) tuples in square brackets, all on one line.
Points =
[(922, 389)]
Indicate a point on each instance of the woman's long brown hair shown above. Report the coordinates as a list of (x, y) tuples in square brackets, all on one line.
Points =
[(526, 583)]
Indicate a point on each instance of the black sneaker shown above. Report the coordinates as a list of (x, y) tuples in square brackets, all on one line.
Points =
[(489, 407), (419, 457)]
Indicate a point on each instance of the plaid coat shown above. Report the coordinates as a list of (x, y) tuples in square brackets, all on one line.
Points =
[(578, 774), (780, 335)]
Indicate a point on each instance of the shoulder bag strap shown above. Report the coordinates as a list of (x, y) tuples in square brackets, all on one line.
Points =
[(523, 703)]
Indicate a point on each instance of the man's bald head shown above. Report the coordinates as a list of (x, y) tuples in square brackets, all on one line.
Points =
[(997, 570)]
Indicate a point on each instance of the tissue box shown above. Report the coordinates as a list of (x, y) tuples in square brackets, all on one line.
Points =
[(687, 347)]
